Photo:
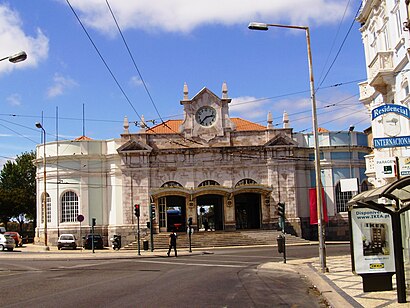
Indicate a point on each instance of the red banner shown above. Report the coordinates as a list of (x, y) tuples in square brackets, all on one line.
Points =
[(313, 206)]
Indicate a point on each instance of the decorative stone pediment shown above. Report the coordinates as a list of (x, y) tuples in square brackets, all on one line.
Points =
[(281, 141), (206, 116), (134, 146)]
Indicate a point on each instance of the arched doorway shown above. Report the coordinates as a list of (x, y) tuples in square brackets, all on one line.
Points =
[(172, 213), (209, 212), (248, 211)]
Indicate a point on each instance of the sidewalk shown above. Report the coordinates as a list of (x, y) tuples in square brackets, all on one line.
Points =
[(339, 286)]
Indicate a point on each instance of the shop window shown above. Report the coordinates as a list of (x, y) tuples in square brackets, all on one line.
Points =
[(69, 204)]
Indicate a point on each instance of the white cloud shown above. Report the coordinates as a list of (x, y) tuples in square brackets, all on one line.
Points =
[(13, 40), (186, 15), (14, 100), (136, 81), (249, 107), (61, 84)]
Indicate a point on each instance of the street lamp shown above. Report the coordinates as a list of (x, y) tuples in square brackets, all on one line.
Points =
[(322, 249), (18, 57), (38, 125), (351, 129)]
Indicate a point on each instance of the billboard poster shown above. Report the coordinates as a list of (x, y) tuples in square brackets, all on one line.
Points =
[(372, 241)]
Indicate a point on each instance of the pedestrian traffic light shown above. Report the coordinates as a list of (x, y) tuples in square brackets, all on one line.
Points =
[(281, 209), (137, 210), (153, 211), (190, 221), (93, 222)]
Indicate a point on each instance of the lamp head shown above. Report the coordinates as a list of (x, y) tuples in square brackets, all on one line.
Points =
[(18, 57), (38, 125), (258, 26), (351, 128)]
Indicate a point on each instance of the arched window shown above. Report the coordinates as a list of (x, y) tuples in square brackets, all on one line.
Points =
[(171, 184), (48, 204), (365, 186), (342, 198), (209, 183), (69, 207), (245, 182)]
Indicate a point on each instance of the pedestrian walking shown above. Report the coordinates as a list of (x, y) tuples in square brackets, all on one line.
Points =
[(172, 243)]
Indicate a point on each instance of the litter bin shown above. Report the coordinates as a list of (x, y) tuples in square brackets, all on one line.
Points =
[(145, 244)]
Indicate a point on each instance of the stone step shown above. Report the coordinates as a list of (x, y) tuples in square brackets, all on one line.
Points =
[(219, 239)]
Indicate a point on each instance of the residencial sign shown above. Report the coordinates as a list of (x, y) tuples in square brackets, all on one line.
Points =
[(391, 142), (372, 241), (385, 168), (391, 115)]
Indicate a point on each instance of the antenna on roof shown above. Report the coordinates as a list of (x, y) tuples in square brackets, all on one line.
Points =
[(83, 121)]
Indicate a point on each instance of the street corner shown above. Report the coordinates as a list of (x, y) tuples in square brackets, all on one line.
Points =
[(278, 266)]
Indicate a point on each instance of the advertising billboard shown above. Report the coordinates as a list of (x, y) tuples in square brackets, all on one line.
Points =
[(372, 241)]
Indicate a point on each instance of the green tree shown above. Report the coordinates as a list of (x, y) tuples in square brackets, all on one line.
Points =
[(18, 189)]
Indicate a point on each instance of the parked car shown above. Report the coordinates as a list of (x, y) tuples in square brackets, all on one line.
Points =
[(16, 237), (98, 241), (2, 230), (66, 241), (6, 242)]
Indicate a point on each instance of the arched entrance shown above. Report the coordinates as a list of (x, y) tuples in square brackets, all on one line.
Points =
[(248, 211), (172, 213), (209, 212)]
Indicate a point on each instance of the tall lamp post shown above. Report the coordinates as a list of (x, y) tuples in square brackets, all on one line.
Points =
[(44, 199), (351, 129), (321, 235), (18, 57)]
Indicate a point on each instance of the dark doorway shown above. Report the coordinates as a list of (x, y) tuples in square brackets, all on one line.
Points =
[(247, 211), (172, 213), (210, 212)]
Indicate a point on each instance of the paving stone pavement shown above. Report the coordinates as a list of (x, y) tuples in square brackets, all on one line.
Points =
[(342, 288)]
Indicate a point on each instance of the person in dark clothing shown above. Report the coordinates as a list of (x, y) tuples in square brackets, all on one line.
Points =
[(172, 243)]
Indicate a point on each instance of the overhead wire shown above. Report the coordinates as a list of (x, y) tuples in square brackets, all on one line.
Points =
[(341, 46)]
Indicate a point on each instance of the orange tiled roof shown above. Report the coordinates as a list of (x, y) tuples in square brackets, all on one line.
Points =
[(322, 130), (83, 138), (172, 126)]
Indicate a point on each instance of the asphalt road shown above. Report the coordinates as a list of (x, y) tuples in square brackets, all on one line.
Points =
[(223, 278)]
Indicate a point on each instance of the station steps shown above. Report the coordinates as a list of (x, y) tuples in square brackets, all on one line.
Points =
[(218, 239)]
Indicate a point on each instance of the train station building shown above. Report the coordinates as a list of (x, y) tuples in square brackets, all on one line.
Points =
[(225, 173)]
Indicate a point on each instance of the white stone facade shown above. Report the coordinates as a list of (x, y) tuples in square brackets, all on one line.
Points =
[(386, 39), (224, 173)]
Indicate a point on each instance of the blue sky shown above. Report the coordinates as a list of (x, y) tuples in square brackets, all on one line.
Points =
[(202, 43)]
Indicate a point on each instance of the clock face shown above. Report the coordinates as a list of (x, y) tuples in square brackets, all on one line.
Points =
[(206, 116)]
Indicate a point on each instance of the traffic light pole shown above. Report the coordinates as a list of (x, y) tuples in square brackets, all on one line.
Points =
[(151, 227), (190, 233), (138, 235)]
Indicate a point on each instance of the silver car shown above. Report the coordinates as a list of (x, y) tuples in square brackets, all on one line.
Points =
[(7, 242)]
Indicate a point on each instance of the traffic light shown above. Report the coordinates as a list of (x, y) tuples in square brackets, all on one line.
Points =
[(153, 211), (137, 210), (190, 221), (93, 221), (281, 209)]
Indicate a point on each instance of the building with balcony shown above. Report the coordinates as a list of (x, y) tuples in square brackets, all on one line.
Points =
[(386, 95)]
